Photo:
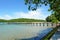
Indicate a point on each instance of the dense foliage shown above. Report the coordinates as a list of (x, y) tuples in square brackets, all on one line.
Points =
[(57, 15), (53, 18)]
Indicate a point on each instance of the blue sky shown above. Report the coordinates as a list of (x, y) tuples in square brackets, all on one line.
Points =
[(10, 9)]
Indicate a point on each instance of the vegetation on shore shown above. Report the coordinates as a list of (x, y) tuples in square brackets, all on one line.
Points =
[(22, 20), (55, 18)]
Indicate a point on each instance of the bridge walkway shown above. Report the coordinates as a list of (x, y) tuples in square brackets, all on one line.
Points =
[(50, 34)]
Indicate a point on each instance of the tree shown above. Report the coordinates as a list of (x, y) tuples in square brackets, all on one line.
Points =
[(54, 4), (52, 18), (48, 19), (57, 15)]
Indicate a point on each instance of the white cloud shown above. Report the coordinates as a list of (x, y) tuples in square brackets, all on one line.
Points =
[(30, 14), (6, 17), (38, 14)]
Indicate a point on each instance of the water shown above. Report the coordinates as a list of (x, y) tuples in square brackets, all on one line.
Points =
[(21, 31)]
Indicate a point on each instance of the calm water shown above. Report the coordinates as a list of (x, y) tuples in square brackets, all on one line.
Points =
[(21, 31)]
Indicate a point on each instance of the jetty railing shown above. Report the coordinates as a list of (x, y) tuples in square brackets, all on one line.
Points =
[(50, 34)]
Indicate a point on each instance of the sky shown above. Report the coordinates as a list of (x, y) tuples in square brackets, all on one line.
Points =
[(12, 9)]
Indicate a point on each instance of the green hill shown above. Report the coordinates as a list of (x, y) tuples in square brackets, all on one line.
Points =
[(22, 20)]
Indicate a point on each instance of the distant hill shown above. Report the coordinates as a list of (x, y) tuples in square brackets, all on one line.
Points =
[(2, 20), (22, 20)]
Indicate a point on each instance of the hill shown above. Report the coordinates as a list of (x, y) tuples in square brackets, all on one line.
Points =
[(22, 20)]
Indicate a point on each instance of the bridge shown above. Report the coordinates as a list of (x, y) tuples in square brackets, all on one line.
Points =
[(41, 24), (45, 24)]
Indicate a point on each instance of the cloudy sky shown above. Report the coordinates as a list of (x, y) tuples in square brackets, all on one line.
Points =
[(11, 9)]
